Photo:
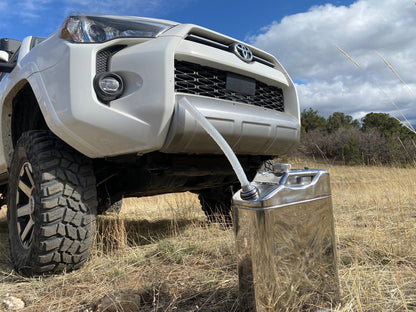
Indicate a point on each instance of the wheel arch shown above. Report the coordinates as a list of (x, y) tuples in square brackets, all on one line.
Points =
[(20, 113)]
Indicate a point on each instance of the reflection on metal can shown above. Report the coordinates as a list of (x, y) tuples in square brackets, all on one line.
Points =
[(287, 258)]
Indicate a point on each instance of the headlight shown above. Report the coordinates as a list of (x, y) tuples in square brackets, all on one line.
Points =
[(80, 28)]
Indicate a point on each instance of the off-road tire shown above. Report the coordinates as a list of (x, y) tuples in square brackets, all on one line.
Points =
[(52, 194)]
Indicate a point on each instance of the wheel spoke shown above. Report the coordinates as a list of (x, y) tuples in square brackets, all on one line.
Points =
[(25, 188), (25, 210), (28, 170), (25, 204), (27, 230)]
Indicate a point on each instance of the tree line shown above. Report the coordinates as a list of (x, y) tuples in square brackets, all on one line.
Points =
[(377, 139)]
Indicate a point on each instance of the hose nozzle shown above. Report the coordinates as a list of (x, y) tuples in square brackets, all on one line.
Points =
[(249, 192)]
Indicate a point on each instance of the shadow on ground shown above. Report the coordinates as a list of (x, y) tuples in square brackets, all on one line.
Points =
[(4, 244), (114, 232), (157, 298)]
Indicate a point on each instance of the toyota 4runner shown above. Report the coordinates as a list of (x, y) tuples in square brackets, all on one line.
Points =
[(93, 114)]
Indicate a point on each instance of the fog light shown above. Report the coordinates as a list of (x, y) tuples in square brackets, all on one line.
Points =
[(108, 86)]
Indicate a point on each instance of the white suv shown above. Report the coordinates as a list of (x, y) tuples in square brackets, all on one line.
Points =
[(93, 114)]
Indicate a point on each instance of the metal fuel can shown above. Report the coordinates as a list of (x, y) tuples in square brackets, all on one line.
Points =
[(287, 259)]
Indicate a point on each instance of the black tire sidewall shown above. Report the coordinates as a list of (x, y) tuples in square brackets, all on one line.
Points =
[(65, 205), (21, 257)]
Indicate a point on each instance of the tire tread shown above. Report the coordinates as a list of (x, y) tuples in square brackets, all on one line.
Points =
[(67, 205)]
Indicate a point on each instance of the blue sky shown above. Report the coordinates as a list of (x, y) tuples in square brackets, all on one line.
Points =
[(236, 18), (305, 36)]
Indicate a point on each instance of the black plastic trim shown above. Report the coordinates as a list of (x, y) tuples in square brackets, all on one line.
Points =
[(7, 67), (104, 96), (103, 58)]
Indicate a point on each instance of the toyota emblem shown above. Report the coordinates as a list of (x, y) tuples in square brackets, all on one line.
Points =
[(243, 52)]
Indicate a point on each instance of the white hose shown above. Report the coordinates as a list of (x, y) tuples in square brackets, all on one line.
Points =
[(217, 137)]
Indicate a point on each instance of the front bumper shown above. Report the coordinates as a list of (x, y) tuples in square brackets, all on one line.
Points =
[(247, 129), (147, 117)]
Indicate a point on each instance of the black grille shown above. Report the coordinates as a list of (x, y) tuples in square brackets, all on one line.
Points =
[(206, 81), (104, 56)]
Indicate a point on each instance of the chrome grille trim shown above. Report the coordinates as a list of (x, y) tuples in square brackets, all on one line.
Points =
[(207, 42), (201, 80), (224, 47)]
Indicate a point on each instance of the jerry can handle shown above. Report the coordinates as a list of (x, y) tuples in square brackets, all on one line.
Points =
[(316, 174)]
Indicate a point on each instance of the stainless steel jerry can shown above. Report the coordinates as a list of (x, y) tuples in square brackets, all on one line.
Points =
[(287, 259)]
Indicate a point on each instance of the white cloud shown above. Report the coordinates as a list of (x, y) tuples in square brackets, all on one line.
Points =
[(306, 43), (30, 10), (126, 7), (3, 8), (111, 6)]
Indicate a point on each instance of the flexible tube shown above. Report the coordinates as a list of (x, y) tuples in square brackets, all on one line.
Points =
[(217, 137)]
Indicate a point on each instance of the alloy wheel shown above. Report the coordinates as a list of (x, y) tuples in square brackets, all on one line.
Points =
[(25, 203)]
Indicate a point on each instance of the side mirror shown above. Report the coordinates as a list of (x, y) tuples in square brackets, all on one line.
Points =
[(4, 56), (5, 67), (7, 48)]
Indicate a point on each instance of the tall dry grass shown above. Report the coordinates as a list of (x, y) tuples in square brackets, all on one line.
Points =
[(159, 254)]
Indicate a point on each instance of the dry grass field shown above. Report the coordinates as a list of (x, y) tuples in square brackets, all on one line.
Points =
[(159, 254)]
